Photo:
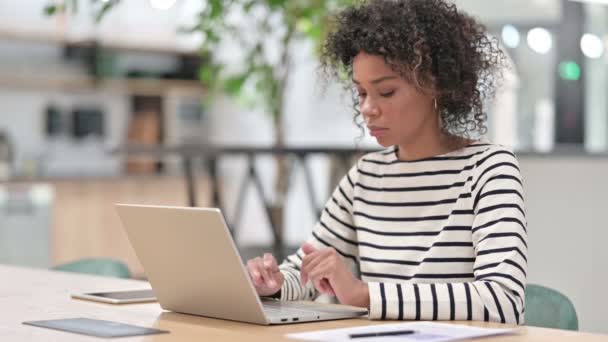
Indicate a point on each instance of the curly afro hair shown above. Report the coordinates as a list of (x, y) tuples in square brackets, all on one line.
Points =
[(429, 43)]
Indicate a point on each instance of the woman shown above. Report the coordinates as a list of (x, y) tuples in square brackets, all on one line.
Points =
[(433, 227)]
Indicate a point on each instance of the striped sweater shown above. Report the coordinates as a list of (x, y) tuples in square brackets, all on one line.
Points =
[(441, 238)]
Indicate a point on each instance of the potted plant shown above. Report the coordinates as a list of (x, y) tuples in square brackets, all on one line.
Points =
[(275, 24)]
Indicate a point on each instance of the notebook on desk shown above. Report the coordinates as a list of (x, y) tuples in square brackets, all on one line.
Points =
[(194, 267)]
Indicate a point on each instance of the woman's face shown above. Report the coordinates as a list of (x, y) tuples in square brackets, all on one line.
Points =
[(395, 111)]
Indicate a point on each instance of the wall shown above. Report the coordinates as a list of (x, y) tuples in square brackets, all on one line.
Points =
[(567, 229)]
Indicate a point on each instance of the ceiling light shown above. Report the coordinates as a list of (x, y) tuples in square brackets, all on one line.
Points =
[(510, 36), (540, 40), (592, 46)]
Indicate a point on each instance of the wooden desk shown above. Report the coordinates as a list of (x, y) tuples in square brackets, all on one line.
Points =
[(31, 294)]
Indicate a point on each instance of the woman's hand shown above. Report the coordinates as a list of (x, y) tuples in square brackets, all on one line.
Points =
[(265, 274), (330, 275)]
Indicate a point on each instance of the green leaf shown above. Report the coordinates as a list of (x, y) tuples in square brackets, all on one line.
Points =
[(234, 84), (189, 29), (105, 8), (207, 74), (50, 10), (217, 8), (274, 4), (314, 33), (309, 28), (249, 5), (211, 36), (304, 25)]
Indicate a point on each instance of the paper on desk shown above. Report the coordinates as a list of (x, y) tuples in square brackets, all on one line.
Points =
[(424, 331)]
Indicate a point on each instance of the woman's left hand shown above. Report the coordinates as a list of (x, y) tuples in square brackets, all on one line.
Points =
[(330, 275)]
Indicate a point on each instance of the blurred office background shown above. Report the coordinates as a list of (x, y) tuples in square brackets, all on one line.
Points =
[(73, 91)]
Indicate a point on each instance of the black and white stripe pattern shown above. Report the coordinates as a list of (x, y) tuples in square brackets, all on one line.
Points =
[(443, 238)]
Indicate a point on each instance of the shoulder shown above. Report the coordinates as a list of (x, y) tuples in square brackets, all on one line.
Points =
[(494, 155), (496, 162)]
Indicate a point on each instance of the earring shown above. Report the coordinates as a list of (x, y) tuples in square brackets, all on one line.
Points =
[(435, 103)]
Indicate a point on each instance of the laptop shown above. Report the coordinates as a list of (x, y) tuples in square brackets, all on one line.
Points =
[(194, 268)]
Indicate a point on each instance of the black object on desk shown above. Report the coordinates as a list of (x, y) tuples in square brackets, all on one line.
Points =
[(95, 327), (383, 333)]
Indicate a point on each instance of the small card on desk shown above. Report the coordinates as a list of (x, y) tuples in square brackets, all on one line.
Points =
[(95, 327)]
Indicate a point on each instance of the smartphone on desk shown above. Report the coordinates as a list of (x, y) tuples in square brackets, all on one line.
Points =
[(118, 297)]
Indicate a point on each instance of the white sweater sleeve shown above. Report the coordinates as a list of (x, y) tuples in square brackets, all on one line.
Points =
[(334, 229)]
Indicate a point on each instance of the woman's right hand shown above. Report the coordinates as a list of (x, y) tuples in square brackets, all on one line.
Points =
[(265, 274)]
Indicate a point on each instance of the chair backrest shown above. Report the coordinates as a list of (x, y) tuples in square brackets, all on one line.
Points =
[(549, 308), (100, 266)]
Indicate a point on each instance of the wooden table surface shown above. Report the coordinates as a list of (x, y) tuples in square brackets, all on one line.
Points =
[(33, 294)]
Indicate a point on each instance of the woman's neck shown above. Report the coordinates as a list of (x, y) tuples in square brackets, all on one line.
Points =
[(429, 145)]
